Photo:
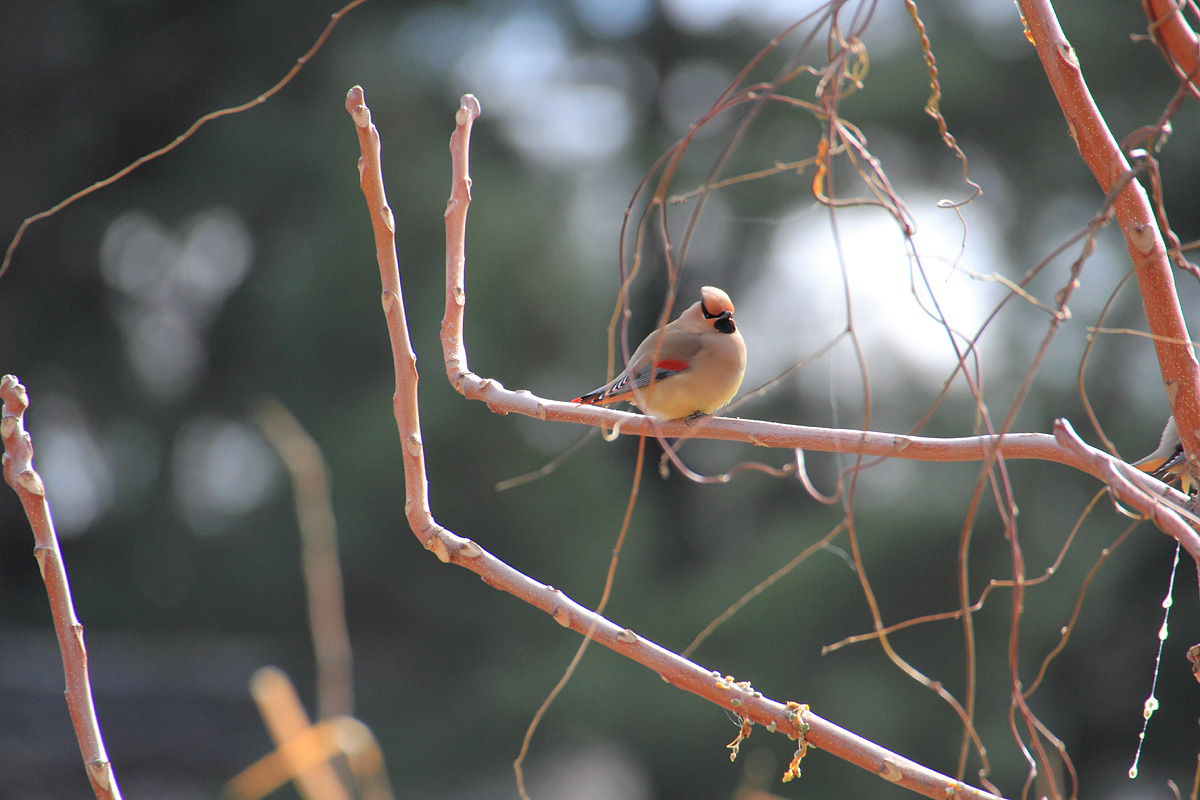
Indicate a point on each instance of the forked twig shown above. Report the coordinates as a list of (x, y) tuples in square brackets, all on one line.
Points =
[(737, 697)]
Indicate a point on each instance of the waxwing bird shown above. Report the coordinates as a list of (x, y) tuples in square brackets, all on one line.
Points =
[(1168, 462), (689, 367)]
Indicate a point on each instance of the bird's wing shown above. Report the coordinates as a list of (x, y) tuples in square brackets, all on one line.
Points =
[(675, 353)]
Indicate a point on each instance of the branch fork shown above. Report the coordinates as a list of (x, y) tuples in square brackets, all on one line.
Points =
[(737, 697)]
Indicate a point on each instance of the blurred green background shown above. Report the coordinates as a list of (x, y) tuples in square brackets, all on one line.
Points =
[(147, 318)]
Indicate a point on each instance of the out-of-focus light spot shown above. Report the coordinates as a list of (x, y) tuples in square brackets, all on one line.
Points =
[(164, 348), (594, 214), (434, 37), (701, 16), (556, 109), (799, 303), (709, 236), (614, 19), (518, 55), (997, 27), (79, 483), (689, 91), (599, 771), (222, 468), (571, 124), (169, 287), (213, 260)]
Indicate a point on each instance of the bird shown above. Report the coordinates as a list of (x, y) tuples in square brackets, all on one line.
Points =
[(1168, 462), (689, 368)]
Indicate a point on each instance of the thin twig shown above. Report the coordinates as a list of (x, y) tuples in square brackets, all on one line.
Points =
[(180, 139), (27, 483), (302, 458), (737, 697)]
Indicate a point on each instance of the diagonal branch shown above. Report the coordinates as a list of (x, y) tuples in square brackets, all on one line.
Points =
[(180, 139), (1175, 36), (738, 697), (1134, 214), (25, 481)]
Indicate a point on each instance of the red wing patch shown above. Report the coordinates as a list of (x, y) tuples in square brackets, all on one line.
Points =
[(672, 365)]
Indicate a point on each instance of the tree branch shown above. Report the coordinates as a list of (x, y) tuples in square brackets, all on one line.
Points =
[(301, 457), (738, 697), (1144, 241), (1175, 37), (25, 481)]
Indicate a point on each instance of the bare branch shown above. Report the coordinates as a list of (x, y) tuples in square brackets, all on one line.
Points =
[(1134, 214), (738, 697), (304, 758), (180, 139), (25, 481), (302, 458), (1178, 41)]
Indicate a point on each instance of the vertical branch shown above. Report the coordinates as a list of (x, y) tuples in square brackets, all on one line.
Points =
[(25, 481), (404, 400), (456, 243), (318, 548), (1102, 154)]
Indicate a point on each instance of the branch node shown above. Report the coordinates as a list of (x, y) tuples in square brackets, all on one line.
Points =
[(356, 105), (1142, 236), (437, 545), (627, 636), (1068, 53), (414, 444), (468, 109), (891, 771), (17, 394), (31, 482), (389, 219), (101, 771)]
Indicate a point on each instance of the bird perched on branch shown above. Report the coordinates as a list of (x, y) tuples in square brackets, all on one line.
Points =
[(688, 368), (1168, 462)]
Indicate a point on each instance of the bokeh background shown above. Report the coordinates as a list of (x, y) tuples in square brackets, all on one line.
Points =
[(147, 319)]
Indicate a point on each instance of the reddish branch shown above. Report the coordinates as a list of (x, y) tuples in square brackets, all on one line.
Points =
[(1134, 214), (1176, 38), (25, 481), (738, 697)]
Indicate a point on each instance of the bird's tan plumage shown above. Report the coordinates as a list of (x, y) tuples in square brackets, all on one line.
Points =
[(693, 365), (1167, 462)]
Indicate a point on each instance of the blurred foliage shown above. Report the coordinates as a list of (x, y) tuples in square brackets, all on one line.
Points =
[(184, 589)]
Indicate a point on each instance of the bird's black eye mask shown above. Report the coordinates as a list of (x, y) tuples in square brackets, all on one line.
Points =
[(724, 320)]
